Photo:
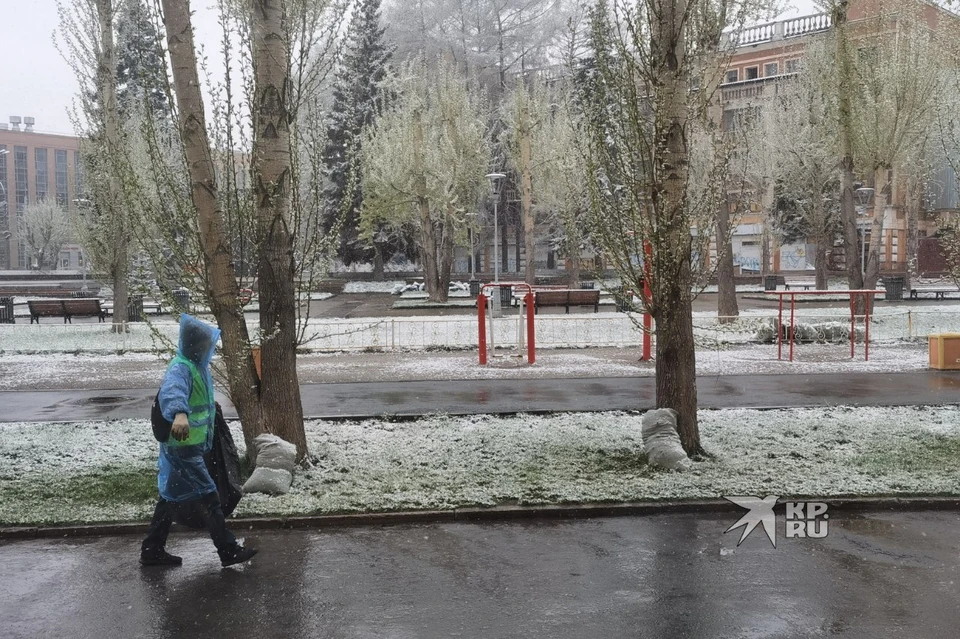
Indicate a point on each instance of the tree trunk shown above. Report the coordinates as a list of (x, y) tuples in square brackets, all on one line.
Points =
[(526, 202), (223, 290), (107, 71), (378, 270), (280, 387), (575, 264), (820, 262), (848, 209), (428, 231), (727, 309), (671, 273)]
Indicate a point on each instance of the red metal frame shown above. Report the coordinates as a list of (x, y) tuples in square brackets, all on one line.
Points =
[(853, 294), (481, 316)]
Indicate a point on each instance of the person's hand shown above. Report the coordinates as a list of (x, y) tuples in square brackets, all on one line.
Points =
[(181, 427)]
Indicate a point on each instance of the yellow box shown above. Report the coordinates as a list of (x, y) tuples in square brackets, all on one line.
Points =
[(945, 351)]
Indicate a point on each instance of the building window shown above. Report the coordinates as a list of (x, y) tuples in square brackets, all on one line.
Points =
[(752, 73), (732, 76), (771, 69), (77, 176), (792, 66), (20, 177), (60, 171), (65, 260), (43, 182)]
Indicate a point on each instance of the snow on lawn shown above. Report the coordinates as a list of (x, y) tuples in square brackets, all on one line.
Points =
[(373, 287), (59, 473), (33, 372)]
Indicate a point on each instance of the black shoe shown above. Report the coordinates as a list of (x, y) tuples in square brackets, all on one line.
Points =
[(237, 556), (159, 558)]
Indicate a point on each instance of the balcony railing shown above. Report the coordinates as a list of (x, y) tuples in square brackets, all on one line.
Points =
[(783, 29)]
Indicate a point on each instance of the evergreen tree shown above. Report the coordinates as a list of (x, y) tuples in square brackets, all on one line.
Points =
[(357, 94), (140, 68)]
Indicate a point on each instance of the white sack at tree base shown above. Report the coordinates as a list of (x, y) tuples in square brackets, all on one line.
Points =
[(272, 481), (274, 452), (659, 431)]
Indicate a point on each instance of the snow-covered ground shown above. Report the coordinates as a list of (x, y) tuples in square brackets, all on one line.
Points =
[(60, 473), (553, 330)]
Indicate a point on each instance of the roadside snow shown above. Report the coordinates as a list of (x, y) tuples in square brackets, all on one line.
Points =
[(443, 462), (372, 287)]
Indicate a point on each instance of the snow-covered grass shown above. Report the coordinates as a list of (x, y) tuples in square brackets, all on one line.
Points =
[(64, 473), (372, 287)]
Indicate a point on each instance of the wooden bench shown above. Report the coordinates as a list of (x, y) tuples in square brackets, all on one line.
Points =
[(804, 284), (567, 298), (939, 293), (67, 309)]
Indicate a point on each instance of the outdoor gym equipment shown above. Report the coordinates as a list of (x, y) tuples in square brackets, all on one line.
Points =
[(485, 314)]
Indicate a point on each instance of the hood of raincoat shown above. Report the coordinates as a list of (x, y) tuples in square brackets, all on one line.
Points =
[(198, 340)]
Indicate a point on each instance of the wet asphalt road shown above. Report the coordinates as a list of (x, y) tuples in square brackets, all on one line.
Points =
[(671, 576), (464, 397)]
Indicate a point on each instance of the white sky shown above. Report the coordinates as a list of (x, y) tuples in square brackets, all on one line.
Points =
[(36, 81)]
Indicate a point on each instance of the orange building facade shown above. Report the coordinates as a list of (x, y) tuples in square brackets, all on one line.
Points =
[(769, 54), (35, 167)]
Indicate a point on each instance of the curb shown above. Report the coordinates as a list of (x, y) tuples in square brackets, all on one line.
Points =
[(494, 514)]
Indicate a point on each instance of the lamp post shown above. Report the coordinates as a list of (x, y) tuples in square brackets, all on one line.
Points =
[(83, 260), (863, 195), (496, 180)]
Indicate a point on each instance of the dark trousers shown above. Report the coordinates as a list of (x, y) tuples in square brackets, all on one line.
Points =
[(203, 512)]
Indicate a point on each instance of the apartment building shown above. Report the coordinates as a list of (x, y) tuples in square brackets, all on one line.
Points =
[(766, 56), (34, 167)]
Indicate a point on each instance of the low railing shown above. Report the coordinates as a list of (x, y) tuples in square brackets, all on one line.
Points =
[(460, 332)]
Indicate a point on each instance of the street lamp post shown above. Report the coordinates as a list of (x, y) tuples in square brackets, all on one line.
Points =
[(83, 259), (496, 180)]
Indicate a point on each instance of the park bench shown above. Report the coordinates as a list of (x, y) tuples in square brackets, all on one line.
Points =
[(804, 283), (67, 309), (567, 298), (939, 292)]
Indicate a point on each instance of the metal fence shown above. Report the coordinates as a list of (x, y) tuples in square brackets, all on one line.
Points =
[(460, 332)]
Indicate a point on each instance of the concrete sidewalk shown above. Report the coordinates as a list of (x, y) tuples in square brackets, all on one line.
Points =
[(505, 396)]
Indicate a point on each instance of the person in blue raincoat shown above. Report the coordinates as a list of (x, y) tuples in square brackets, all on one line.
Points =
[(186, 488)]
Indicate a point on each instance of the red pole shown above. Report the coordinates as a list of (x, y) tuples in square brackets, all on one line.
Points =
[(852, 323), (531, 347), (482, 336), (780, 329), (793, 299), (647, 294), (867, 302)]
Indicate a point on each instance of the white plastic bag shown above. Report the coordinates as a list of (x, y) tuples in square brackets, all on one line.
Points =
[(659, 431), (272, 481), (274, 452), (276, 459)]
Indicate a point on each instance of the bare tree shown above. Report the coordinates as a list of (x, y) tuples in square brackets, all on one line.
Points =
[(88, 46), (44, 228), (882, 92), (795, 150), (642, 119), (524, 111), (424, 162), (223, 291)]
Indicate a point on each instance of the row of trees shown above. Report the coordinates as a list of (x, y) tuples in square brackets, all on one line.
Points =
[(621, 154), (866, 108)]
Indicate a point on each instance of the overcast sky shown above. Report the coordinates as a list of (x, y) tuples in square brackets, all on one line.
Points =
[(36, 81)]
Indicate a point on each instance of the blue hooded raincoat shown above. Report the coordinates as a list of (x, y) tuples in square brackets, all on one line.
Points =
[(182, 473)]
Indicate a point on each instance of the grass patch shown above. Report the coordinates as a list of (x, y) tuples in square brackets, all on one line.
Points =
[(929, 452)]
